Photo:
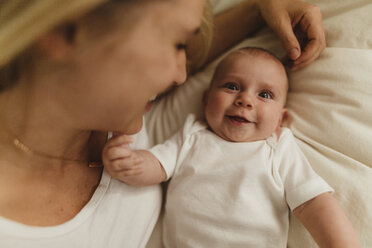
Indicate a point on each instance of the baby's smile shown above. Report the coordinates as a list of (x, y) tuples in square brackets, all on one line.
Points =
[(236, 119)]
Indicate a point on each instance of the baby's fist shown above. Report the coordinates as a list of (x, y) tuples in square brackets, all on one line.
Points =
[(119, 159)]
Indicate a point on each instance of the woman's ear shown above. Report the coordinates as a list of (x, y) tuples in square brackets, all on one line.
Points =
[(58, 42)]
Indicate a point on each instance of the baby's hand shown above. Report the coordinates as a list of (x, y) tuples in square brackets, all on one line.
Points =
[(120, 161)]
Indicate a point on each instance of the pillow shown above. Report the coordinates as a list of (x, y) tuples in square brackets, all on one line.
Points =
[(222, 5), (330, 104)]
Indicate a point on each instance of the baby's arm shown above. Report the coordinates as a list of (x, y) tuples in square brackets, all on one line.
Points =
[(324, 218), (134, 167)]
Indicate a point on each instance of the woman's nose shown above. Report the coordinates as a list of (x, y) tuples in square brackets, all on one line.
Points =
[(181, 72), (244, 101)]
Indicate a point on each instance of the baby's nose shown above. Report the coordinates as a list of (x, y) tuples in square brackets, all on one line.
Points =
[(244, 102)]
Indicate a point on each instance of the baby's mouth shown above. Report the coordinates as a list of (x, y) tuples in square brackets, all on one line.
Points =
[(238, 118)]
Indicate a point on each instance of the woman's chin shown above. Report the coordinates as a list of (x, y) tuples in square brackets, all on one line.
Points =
[(134, 127)]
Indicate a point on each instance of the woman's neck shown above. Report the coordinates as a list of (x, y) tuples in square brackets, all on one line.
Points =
[(39, 125)]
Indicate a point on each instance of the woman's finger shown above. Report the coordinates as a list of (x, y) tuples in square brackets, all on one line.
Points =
[(308, 61), (281, 24), (299, 27), (311, 28), (289, 40)]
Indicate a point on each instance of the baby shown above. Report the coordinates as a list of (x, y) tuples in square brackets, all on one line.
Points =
[(236, 175)]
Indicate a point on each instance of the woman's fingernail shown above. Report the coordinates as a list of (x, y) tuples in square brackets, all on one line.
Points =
[(294, 54)]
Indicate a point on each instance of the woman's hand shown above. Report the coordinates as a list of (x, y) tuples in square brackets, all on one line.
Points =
[(299, 27)]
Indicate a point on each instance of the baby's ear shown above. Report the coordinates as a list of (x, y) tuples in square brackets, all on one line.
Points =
[(284, 119)]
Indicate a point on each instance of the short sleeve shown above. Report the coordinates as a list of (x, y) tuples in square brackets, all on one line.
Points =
[(168, 153), (301, 183)]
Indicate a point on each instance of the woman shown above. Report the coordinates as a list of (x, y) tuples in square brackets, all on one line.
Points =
[(69, 67)]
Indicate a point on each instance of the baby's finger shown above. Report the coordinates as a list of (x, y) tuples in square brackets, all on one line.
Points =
[(117, 152), (116, 134), (119, 140), (132, 172), (126, 164), (121, 174)]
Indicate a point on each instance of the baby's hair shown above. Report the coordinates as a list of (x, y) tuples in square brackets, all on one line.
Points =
[(254, 51), (261, 51)]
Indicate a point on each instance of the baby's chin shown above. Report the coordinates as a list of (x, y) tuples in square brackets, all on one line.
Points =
[(240, 135), (242, 138)]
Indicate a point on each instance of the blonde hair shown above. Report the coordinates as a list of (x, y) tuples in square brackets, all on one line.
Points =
[(206, 32), (24, 21)]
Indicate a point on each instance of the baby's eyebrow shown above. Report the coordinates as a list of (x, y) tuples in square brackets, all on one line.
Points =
[(267, 85), (271, 87)]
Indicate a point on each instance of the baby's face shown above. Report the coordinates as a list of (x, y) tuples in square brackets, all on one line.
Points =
[(247, 97)]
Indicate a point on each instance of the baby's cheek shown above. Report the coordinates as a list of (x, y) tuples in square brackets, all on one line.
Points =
[(212, 113), (269, 118), (216, 105), (276, 120)]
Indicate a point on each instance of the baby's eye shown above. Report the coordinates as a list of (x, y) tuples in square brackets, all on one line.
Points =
[(231, 86), (266, 94)]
